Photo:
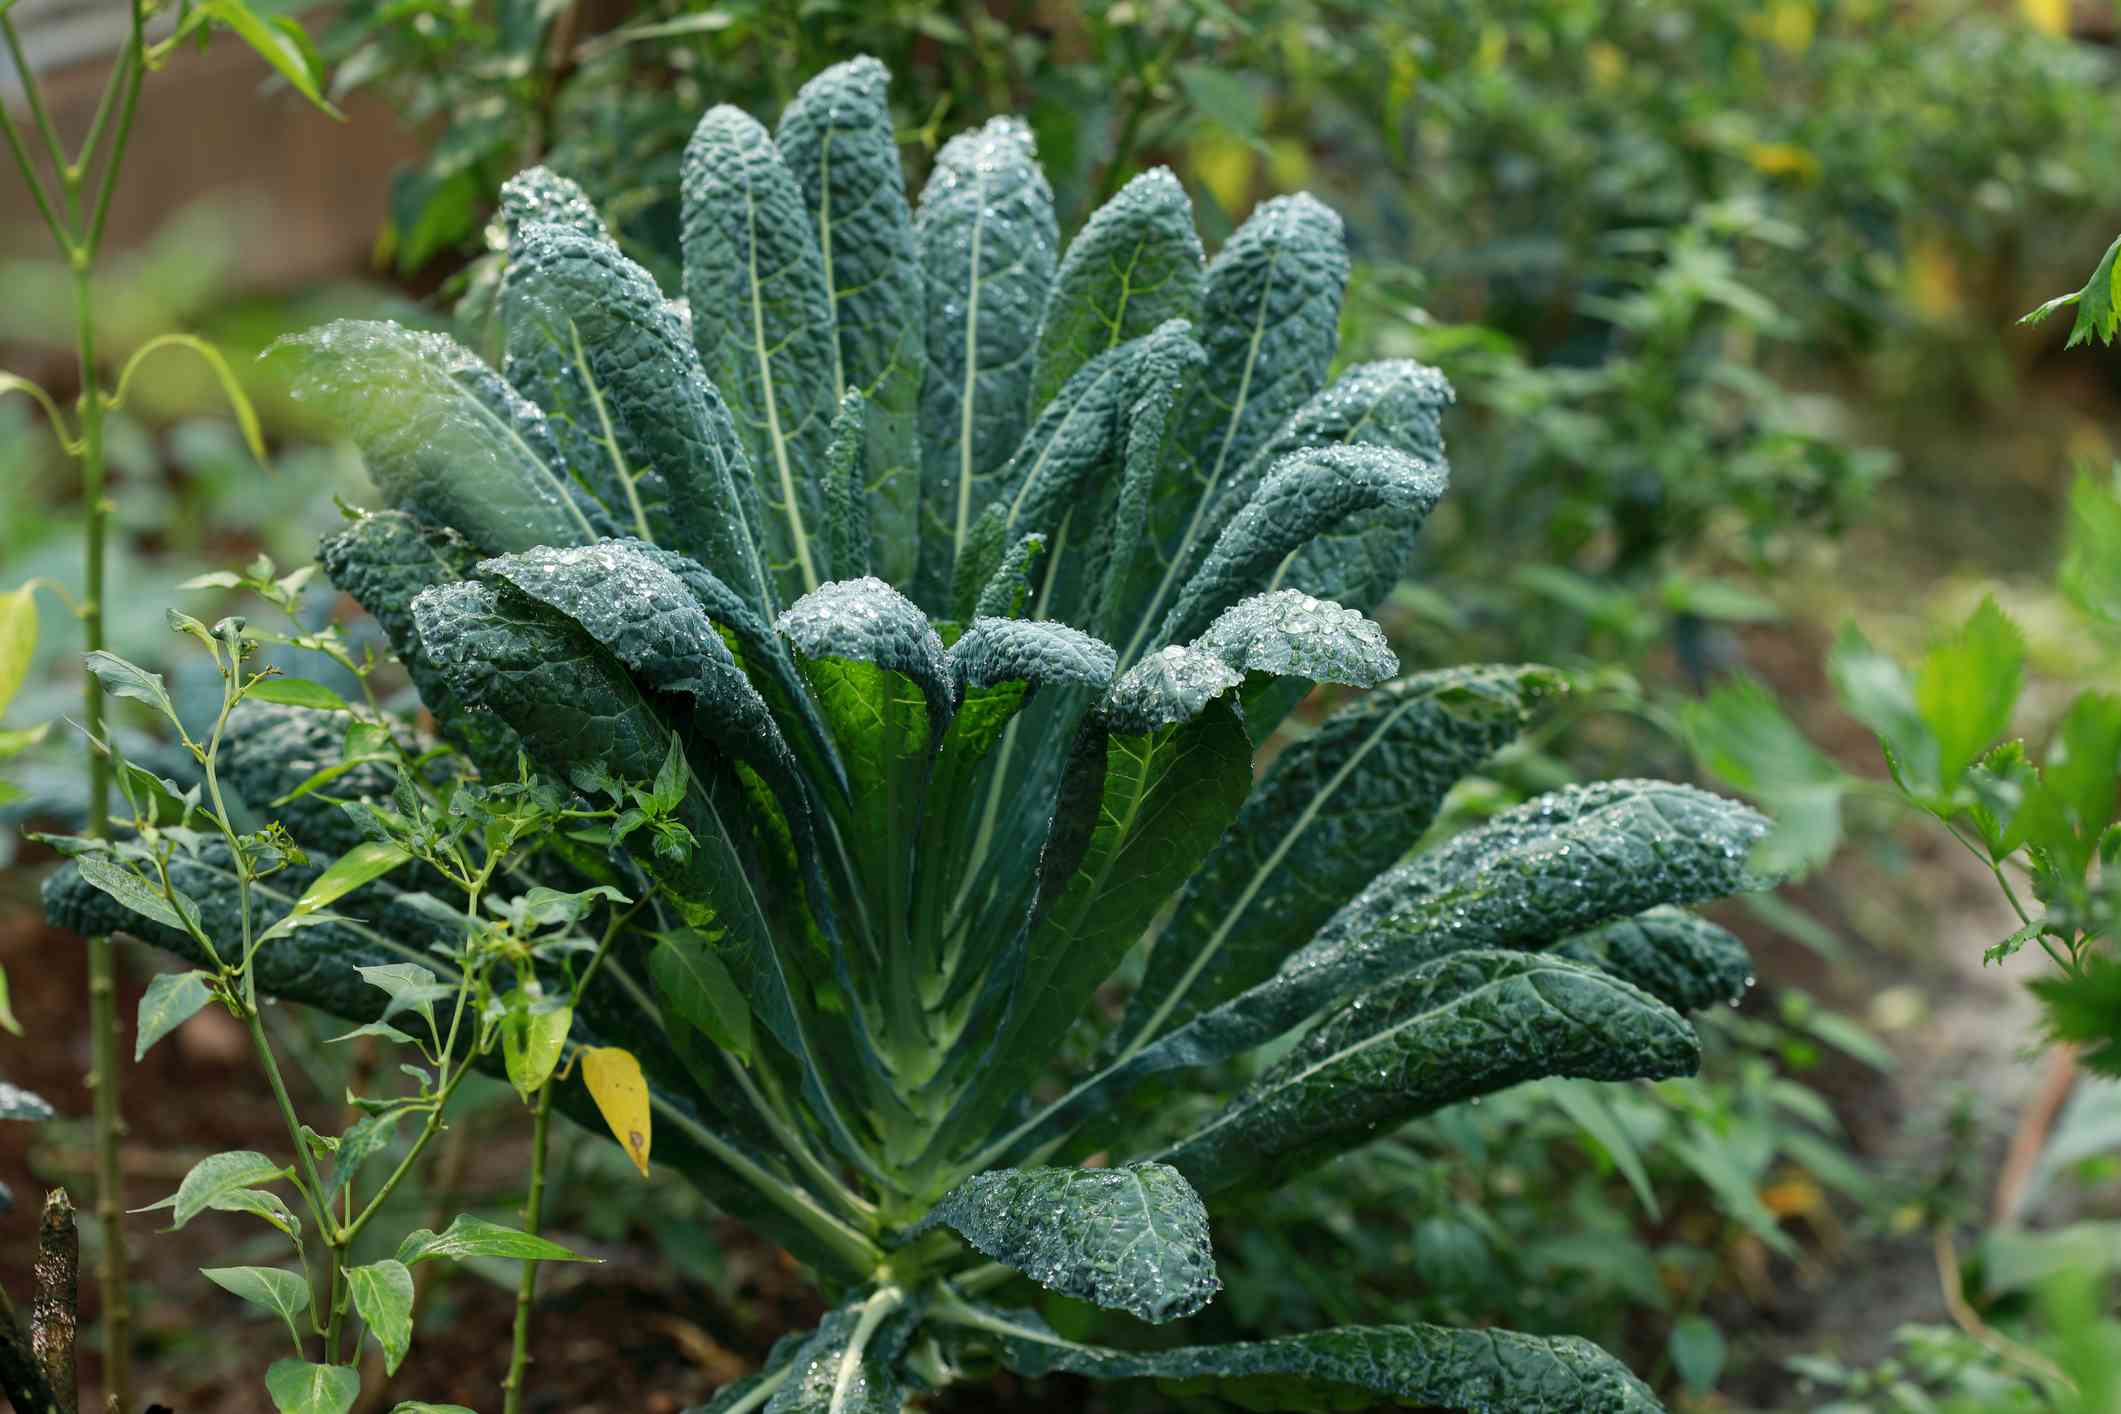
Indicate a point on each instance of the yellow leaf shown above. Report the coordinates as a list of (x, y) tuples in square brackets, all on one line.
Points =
[(1784, 159), (1607, 63), (2047, 16), (615, 1083), (18, 639)]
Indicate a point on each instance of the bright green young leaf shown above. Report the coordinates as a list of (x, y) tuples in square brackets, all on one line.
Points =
[(382, 1294), (171, 999), (298, 1387), (2098, 303), (371, 859), (532, 1037), (1741, 735), (279, 42), (1133, 1238), (1877, 693), (2091, 547), (475, 1237), (1967, 686), (284, 1293), (298, 692)]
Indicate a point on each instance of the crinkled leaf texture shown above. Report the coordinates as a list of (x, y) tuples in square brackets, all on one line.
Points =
[(1134, 1238), (1425, 1367), (940, 587)]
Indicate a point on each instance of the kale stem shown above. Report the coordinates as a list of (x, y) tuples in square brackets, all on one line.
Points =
[(527, 1286)]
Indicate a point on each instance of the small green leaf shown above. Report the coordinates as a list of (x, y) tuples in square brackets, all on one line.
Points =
[(18, 639), (2098, 303), (358, 1145), (217, 1175), (1698, 1352), (382, 1293), (298, 692), (1225, 98), (278, 43), (1967, 686), (259, 1202), (172, 999), (123, 679), (2091, 548), (298, 1387), (694, 982), (138, 895), (279, 1291), (532, 1037), (410, 987), (370, 859), (1877, 693), (475, 1237)]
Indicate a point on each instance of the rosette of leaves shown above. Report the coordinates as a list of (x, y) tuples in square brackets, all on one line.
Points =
[(946, 583)]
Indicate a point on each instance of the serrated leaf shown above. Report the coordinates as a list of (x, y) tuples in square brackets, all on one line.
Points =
[(217, 1175), (1425, 1366), (762, 319), (616, 1084), (444, 436), (284, 1293), (695, 985), (383, 1294), (1681, 959), (2091, 548), (2098, 303), (171, 999), (468, 1236), (592, 341), (839, 140), (985, 235), (1333, 811), (298, 1387), (1967, 686), (1132, 1239), (1877, 693), (1136, 263), (1462, 1027)]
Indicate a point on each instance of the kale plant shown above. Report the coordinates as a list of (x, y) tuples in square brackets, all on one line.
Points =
[(909, 605)]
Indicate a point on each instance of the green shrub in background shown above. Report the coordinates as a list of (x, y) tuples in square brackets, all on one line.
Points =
[(863, 862)]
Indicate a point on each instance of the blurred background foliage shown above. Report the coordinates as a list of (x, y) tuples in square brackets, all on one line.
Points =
[(1725, 288)]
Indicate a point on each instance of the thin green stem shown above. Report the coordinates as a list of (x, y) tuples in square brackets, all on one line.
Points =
[(120, 74), (129, 103), (850, 1246), (34, 93), (527, 1284), (319, 1206), (428, 1131), (8, 130)]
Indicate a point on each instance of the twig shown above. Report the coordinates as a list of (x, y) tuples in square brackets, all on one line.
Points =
[(1969, 1320), (2031, 1135), (52, 1316)]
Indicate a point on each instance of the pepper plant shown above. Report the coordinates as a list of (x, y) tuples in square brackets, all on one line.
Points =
[(911, 603)]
